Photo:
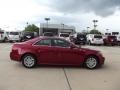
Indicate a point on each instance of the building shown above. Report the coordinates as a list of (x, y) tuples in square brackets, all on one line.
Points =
[(56, 29)]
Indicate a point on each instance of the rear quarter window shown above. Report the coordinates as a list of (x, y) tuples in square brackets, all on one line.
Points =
[(97, 36)]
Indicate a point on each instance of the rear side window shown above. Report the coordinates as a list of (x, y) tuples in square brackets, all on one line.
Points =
[(44, 42), (97, 36)]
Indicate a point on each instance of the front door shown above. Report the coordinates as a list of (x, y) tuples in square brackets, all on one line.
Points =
[(67, 55), (46, 53)]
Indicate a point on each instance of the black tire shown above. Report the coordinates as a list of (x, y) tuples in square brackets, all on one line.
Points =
[(91, 62), (11, 41), (5, 39), (84, 43), (29, 61)]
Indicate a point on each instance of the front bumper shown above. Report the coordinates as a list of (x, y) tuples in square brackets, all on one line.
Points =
[(15, 56)]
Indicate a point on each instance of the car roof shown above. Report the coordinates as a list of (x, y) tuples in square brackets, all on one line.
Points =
[(43, 37)]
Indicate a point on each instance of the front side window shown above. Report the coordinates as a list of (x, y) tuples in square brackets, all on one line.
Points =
[(61, 43), (44, 42)]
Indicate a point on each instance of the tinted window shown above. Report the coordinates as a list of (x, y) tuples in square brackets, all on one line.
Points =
[(111, 36), (97, 36), (81, 36), (48, 34), (61, 43), (29, 33), (44, 42), (14, 33), (64, 35), (1, 32)]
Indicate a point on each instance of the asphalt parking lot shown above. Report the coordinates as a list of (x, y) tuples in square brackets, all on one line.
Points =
[(13, 76)]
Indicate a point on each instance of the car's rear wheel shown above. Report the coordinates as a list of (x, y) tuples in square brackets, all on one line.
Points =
[(29, 61), (91, 62), (5, 39)]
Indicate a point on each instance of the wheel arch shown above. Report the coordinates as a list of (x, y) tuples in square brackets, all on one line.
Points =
[(89, 55), (28, 53), (98, 62)]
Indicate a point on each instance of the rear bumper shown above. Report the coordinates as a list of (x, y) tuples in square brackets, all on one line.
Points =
[(14, 39)]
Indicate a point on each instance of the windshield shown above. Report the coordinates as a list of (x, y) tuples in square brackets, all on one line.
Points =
[(111, 36), (14, 33), (96, 36), (81, 36), (64, 35)]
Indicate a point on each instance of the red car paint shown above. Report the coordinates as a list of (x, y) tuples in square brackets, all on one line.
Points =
[(53, 55), (110, 40)]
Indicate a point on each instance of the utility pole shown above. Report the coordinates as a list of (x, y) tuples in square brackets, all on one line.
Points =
[(88, 30), (47, 19), (107, 31), (63, 26), (94, 24)]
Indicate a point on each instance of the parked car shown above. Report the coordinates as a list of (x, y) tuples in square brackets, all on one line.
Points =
[(80, 38), (3, 36), (110, 40), (64, 35), (13, 36), (27, 36), (54, 51), (95, 39)]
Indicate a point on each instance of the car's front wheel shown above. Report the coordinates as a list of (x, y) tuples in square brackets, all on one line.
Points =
[(29, 61), (91, 62)]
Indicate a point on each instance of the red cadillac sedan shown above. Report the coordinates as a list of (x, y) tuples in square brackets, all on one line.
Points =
[(54, 51)]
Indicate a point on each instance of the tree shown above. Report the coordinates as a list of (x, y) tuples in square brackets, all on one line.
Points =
[(95, 32), (32, 28)]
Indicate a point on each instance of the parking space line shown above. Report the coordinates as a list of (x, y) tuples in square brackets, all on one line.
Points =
[(67, 79)]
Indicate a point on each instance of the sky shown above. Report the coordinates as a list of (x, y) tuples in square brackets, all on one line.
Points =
[(14, 14)]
